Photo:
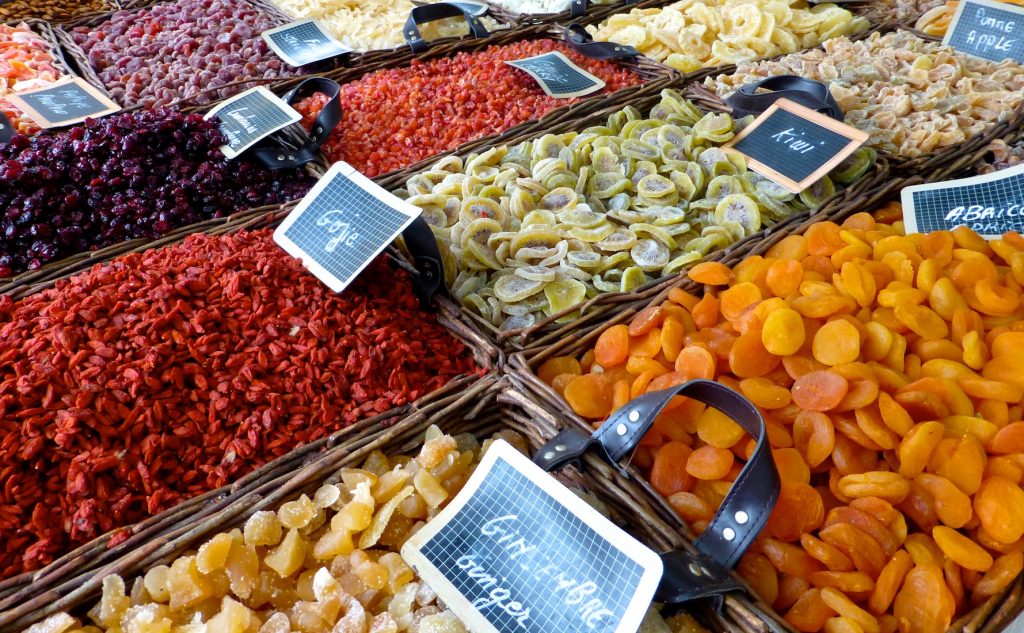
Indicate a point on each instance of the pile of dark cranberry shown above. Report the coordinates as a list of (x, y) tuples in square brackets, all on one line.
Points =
[(138, 174)]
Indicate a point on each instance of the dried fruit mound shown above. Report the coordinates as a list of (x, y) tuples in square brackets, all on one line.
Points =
[(162, 375), (890, 373), (394, 118), (132, 175), (25, 64)]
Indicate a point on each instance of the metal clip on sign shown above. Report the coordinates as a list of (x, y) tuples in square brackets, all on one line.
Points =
[(577, 37), (430, 12), (807, 92), (273, 156), (743, 513)]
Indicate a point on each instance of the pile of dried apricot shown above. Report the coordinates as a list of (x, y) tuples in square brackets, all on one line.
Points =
[(889, 369)]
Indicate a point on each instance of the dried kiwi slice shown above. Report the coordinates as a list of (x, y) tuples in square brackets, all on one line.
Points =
[(632, 278), (622, 239), (536, 273), (655, 186), (559, 199), (564, 294), (512, 288), (854, 166), (739, 208), (817, 193), (650, 255)]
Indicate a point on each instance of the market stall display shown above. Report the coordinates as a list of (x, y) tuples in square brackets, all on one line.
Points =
[(157, 377), (27, 62), (537, 228), (132, 175), (942, 98), (690, 35), (371, 25), (887, 368), (396, 117), (57, 10), (180, 49), (533, 7)]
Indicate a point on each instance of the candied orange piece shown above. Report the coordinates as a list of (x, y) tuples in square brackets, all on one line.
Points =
[(668, 474), (810, 613), (590, 396), (759, 573), (646, 320), (709, 463), (924, 604), (819, 390), (711, 274), (1000, 507), (557, 366), (799, 510), (612, 347), (748, 357)]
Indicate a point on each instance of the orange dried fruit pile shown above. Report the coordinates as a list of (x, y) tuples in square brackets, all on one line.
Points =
[(889, 369)]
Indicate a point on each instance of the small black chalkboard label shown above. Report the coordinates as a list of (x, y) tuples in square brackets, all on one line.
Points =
[(518, 551), (251, 116), (558, 76), (6, 129), (342, 224), (303, 42), (989, 205), (795, 146), (986, 29), (66, 102)]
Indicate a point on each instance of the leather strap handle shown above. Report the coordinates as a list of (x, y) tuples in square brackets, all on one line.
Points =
[(582, 42), (807, 92), (422, 246), (743, 513), (438, 11), (7, 130), (273, 156)]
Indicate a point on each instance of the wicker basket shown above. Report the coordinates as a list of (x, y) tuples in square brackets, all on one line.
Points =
[(993, 615), (598, 309), (277, 84), (112, 5), (489, 405), (928, 166), (595, 13)]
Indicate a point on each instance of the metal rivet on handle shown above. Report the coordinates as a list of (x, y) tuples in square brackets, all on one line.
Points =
[(560, 448), (280, 157), (621, 429), (319, 130), (695, 569), (634, 415), (742, 518), (729, 534), (290, 157), (549, 455)]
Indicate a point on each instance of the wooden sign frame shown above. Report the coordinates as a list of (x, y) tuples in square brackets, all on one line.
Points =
[(43, 121), (947, 40), (856, 137), (340, 49)]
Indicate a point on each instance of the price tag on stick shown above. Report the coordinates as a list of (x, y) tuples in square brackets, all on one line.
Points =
[(250, 117), (795, 146), (63, 103), (558, 76), (303, 42), (518, 551), (987, 29), (342, 224), (989, 205)]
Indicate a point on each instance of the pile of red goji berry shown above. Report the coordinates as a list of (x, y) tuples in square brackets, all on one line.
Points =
[(159, 376), (394, 118)]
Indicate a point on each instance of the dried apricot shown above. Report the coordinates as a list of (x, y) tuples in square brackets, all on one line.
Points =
[(836, 342), (690, 507), (889, 582), (783, 332), (612, 347), (717, 429), (961, 549), (924, 604), (711, 274), (814, 436), (557, 366), (1003, 571), (590, 396), (810, 613), (846, 608), (952, 506), (893, 487), (696, 362), (668, 474), (1000, 507), (799, 510), (828, 555), (784, 277), (709, 462), (748, 357), (819, 390), (864, 551), (759, 573)]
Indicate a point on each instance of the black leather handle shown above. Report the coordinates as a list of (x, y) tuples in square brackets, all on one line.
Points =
[(581, 41), (429, 278), (807, 92), (7, 131), (438, 11), (274, 156), (743, 513)]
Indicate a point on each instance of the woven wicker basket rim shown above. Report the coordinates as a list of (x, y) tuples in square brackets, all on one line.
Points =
[(45, 30), (114, 4)]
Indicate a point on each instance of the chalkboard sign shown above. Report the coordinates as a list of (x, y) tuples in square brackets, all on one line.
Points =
[(251, 116), (795, 146), (517, 551), (342, 224), (473, 8), (986, 29), (63, 103), (6, 129), (303, 42), (989, 205), (558, 76)]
